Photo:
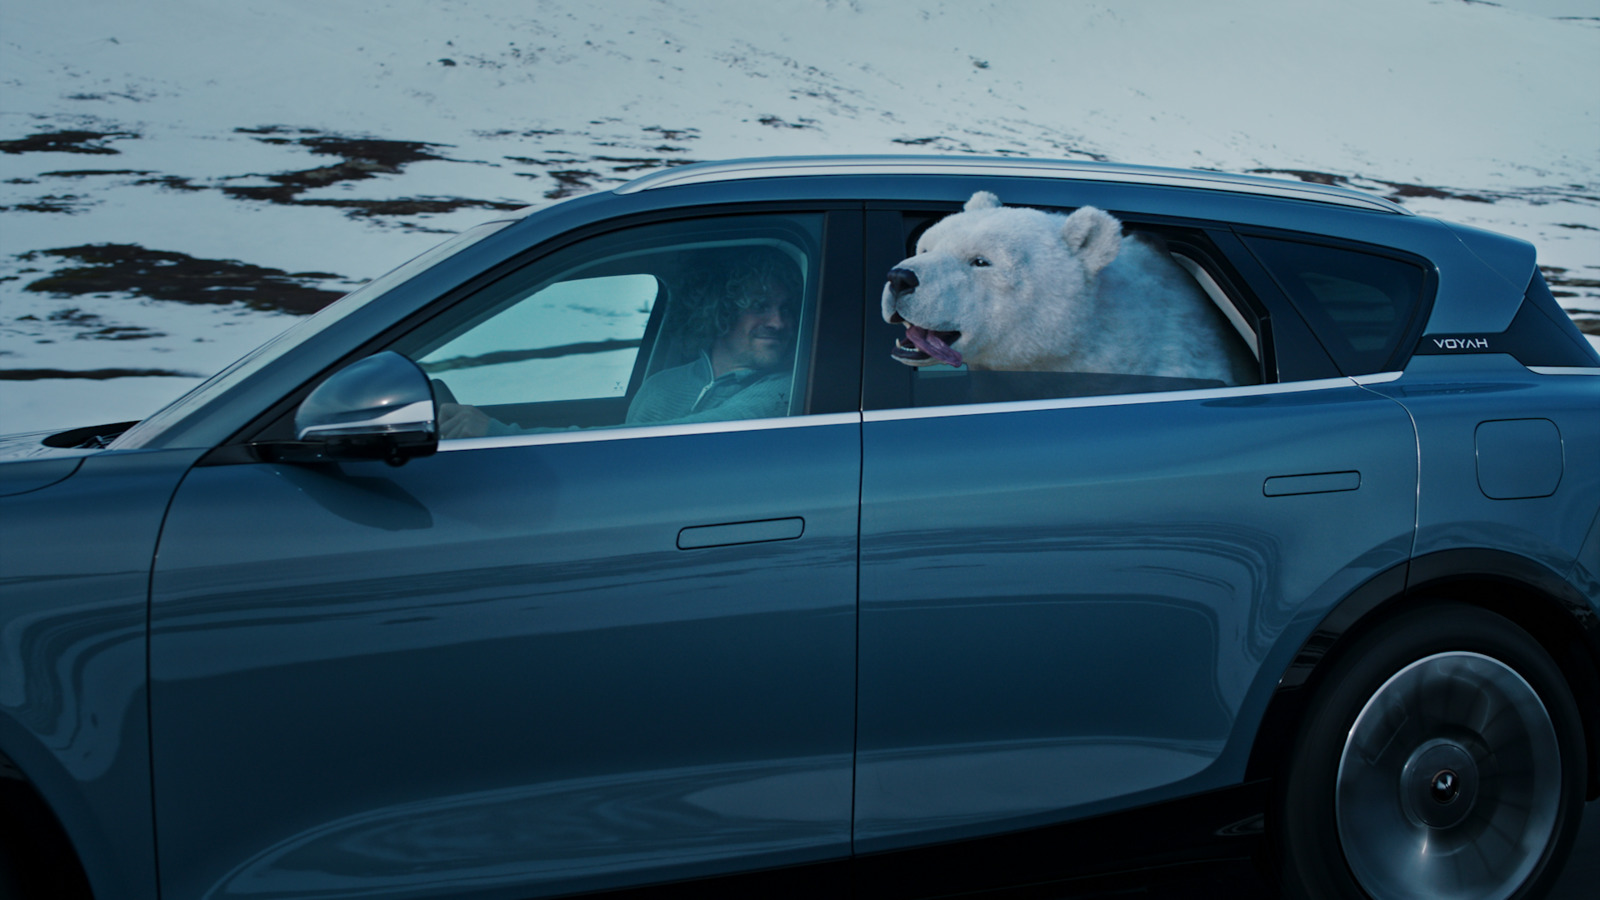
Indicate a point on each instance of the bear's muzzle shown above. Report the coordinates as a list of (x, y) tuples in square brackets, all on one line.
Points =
[(902, 281)]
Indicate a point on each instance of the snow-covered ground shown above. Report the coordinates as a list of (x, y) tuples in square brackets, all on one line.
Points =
[(246, 161)]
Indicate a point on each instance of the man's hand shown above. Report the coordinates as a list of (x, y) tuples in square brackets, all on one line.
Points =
[(458, 421)]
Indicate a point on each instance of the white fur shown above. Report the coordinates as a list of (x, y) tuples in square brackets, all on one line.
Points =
[(1063, 294)]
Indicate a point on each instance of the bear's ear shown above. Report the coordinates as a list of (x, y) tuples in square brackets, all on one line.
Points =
[(982, 200), (1094, 236)]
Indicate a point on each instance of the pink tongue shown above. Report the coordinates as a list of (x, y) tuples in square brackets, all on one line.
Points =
[(932, 344)]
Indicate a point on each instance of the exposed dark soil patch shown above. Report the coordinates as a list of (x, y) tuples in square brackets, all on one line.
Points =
[(1307, 176), (93, 327), (1398, 192), (273, 134), (409, 206), (53, 203), (572, 182), (531, 161), (359, 160), (1556, 276), (529, 133), (86, 173), (389, 155), (635, 164), (173, 182), (674, 134), (1565, 287), (1556, 284), (94, 374), (164, 275), (120, 333), (775, 122), (66, 142)]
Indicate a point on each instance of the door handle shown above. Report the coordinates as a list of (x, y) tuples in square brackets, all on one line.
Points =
[(698, 537), (1320, 483)]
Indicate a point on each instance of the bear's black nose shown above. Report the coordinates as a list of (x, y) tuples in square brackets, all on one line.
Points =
[(902, 281)]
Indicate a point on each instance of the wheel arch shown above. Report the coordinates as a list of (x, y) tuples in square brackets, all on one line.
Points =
[(1536, 598), (37, 858)]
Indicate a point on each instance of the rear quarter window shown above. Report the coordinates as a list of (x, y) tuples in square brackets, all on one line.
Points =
[(1361, 305)]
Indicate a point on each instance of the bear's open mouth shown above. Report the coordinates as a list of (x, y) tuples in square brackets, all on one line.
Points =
[(920, 344)]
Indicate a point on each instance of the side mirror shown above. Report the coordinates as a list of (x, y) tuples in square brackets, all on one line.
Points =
[(380, 407)]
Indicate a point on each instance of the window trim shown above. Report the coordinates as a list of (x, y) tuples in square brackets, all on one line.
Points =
[(1196, 395), (1220, 299), (637, 432)]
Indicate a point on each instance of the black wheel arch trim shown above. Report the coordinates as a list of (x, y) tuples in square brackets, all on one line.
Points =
[(1534, 596), (37, 858)]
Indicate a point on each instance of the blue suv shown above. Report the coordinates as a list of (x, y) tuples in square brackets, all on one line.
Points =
[(615, 546)]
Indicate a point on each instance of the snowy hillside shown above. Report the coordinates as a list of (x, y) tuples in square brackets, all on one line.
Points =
[(180, 178)]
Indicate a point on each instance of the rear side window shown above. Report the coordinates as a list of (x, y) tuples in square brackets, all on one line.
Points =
[(1361, 305), (1004, 326)]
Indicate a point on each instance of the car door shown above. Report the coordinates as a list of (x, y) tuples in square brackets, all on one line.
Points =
[(1075, 604), (565, 655)]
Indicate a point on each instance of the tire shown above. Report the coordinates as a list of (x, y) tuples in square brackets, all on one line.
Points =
[(1442, 757), (36, 858)]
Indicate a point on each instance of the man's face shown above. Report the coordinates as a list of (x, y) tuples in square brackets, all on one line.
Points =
[(759, 338)]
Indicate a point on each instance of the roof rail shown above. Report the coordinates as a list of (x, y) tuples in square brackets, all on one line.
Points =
[(1080, 170)]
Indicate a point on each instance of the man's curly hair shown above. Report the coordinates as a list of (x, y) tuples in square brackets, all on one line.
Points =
[(737, 280)]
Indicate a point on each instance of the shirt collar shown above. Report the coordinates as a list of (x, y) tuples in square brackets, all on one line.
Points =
[(738, 375)]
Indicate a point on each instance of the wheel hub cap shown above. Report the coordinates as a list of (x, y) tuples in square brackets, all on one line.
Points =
[(1449, 783), (1439, 784)]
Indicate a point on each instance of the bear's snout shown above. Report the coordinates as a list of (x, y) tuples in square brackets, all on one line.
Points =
[(902, 281)]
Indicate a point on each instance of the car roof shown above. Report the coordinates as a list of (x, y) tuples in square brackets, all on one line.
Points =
[(1080, 170)]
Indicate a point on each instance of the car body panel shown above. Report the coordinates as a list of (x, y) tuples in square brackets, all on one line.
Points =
[(1453, 399), (1511, 263), (23, 476), (1065, 609), (73, 716), (497, 668)]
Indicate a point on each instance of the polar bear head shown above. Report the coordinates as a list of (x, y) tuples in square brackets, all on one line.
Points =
[(999, 288)]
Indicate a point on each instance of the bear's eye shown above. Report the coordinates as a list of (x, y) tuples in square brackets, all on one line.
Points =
[(979, 262)]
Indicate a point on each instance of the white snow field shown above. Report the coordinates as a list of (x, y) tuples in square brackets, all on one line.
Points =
[(180, 179)]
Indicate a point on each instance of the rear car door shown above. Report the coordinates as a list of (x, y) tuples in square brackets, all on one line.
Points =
[(565, 655), (1077, 604)]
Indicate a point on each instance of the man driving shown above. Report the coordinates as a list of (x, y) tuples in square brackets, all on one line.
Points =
[(746, 324), (742, 318)]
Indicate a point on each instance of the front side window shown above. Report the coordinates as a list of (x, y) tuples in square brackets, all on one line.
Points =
[(701, 321)]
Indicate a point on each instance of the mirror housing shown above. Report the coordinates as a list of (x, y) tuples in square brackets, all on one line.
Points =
[(381, 407)]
